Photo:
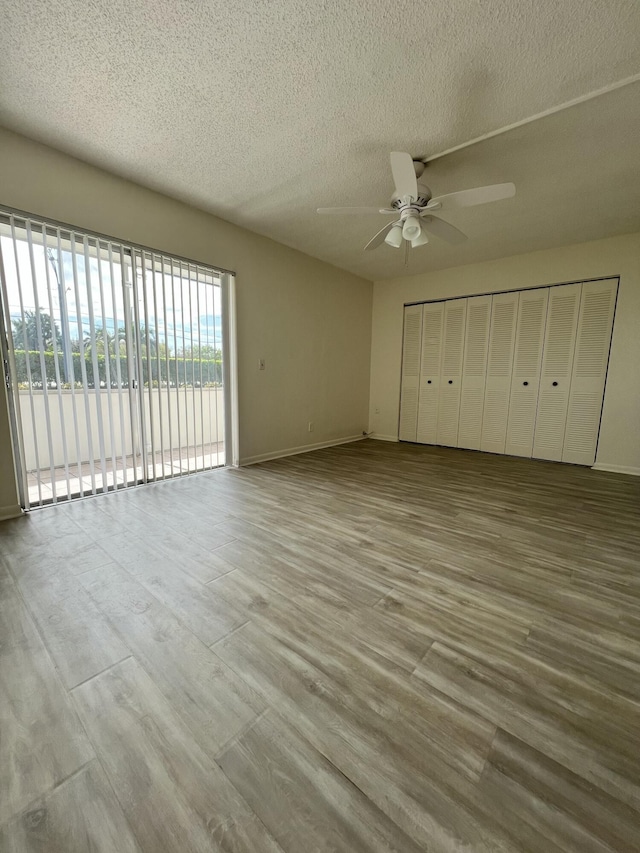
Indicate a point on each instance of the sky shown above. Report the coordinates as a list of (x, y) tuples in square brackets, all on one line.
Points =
[(192, 308)]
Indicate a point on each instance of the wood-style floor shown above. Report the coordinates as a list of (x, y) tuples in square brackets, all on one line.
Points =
[(373, 647)]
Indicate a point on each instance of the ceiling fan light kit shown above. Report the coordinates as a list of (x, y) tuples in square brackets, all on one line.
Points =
[(394, 237), (413, 202), (411, 228)]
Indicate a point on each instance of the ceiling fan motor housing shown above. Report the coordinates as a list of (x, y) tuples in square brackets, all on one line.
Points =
[(424, 196)]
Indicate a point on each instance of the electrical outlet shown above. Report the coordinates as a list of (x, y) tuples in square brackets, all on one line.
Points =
[(377, 411), (261, 364), (310, 426)]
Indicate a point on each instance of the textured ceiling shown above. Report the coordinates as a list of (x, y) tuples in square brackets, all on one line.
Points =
[(262, 111)]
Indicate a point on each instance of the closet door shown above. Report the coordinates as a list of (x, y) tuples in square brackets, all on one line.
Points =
[(504, 314), (525, 378), (455, 312), (474, 371), (432, 333), (595, 323), (555, 377), (411, 345)]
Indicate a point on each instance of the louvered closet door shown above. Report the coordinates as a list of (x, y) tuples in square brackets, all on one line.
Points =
[(411, 347), (504, 314), (595, 323), (525, 378), (474, 370), (432, 335), (555, 377), (455, 312)]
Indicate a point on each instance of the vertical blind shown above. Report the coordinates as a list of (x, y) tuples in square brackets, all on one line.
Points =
[(114, 359)]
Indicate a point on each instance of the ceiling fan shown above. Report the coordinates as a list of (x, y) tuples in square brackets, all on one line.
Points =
[(412, 206)]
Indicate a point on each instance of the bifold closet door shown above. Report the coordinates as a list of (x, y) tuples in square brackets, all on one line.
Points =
[(555, 377), (409, 384), (432, 338), (525, 377), (455, 314), (593, 339), (502, 336), (474, 371)]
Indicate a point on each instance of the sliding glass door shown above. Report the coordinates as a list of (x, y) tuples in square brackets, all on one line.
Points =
[(114, 358)]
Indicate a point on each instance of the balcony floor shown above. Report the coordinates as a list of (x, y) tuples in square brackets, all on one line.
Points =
[(45, 486)]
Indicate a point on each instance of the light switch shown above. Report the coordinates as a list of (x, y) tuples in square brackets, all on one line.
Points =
[(261, 364)]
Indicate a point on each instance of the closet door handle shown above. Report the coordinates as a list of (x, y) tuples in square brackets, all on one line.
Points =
[(451, 382), (554, 384), (525, 383), (428, 382)]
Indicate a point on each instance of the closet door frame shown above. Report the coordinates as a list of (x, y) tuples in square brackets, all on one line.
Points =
[(410, 381), (519, 290), (576, 457)]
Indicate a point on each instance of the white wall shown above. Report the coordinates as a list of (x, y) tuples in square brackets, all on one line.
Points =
[(310, 321), (619, 444)]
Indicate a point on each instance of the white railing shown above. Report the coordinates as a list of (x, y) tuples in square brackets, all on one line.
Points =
[(198, 426)]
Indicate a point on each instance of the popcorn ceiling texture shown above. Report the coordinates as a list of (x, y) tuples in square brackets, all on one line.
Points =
[(262, 111)]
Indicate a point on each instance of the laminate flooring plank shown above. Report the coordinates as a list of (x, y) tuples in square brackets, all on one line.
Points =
[(272, 600), (546, 807), (81, 814), (360, 677), (323, 578), (76, 634), (399, 770), (75, 551), (603, 658), (173, 795), (19, 536), (585, 729), (184, 516), (196, 559), (41, 739), (441, 619), (209, 697), (162, 574), (305, 803)]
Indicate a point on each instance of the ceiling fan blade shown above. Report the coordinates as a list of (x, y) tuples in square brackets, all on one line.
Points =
[(404, 175), (378, 239), (442, 229), (469, 198), (340, 211)]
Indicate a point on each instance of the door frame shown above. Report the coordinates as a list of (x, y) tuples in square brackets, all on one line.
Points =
[(121, 246)]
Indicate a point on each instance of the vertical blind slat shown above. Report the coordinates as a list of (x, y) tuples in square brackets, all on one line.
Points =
[(63, 431)]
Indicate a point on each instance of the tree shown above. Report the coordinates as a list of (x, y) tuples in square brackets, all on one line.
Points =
[(115, 343), (28, 329), (143, 340), (200, 352)]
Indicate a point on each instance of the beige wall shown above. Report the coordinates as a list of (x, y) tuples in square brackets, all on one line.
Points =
[(619, 445), (8, 500), (310, 321)]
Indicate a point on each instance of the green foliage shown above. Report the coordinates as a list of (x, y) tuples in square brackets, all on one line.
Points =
[(29, 329), (172, 371)]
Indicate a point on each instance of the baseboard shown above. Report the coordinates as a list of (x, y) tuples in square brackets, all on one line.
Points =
[(380, 437), (11, 511), (616, 469), (305, 448)]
